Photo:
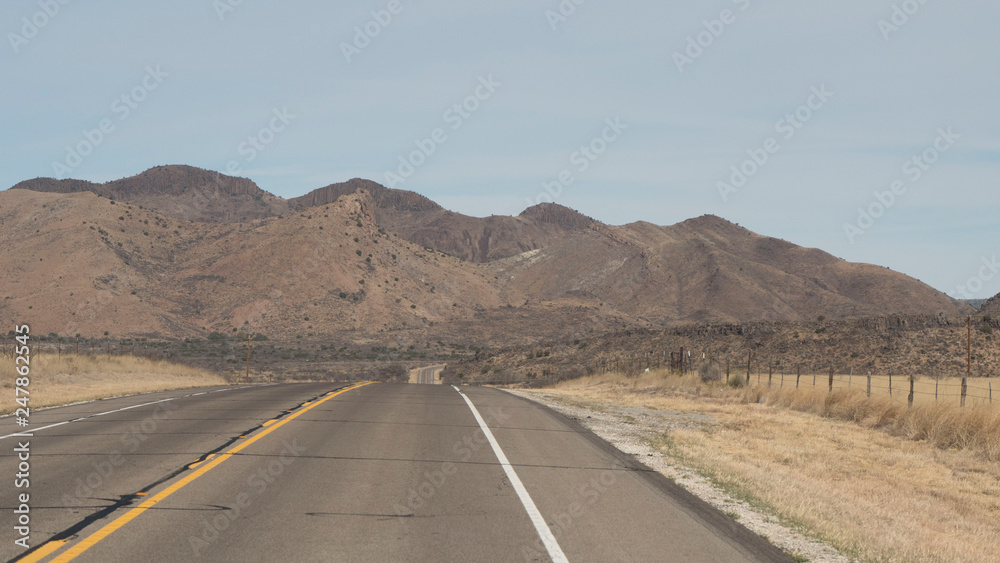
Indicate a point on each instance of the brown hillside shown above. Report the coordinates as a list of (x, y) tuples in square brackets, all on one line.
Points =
[(991, 306), (130, 271), (420, 220), (390, 266), (708, 269), (182, 192)]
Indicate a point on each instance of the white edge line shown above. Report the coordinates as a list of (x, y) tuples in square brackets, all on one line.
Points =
[(551, 544), (21, 434)]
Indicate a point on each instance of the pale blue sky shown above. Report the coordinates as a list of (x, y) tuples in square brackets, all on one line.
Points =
[(555, 83)]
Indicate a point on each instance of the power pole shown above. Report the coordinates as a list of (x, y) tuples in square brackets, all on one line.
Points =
[(968, 364), (248, 357), (749, 356)]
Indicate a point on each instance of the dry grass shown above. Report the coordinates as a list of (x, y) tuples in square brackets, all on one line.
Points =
[(879, 496), (71, 378), (926, 390), (973, 428)]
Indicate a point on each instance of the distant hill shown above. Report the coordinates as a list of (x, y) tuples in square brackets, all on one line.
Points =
[(183, 192), (180, 251), (708, 269), (974, 303), (420, 220), (991, 306)]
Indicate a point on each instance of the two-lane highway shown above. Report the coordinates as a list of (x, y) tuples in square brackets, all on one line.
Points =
[(327, 472), (429, 375)]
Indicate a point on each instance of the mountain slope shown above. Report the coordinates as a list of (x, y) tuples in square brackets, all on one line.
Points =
[(182, 192), (379, 265), (991, 306), (424, 222), (708, 269)]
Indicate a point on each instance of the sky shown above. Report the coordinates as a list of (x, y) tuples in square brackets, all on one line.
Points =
[(866, 128)]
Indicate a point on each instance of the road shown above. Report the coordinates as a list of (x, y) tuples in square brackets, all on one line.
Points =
[(429, 374), (328, 472)]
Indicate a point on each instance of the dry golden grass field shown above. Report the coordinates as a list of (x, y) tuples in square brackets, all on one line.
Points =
[(877, 480), (59, 380)]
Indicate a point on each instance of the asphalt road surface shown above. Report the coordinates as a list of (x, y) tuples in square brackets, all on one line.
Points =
[(428, 374), (330, 472)]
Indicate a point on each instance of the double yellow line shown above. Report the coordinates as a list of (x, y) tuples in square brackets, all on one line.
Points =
[(203, 468)]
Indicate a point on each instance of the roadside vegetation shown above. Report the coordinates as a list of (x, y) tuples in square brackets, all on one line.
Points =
[(70, 378), (876, 479)]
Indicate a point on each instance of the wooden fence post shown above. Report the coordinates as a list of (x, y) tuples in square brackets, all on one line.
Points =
[(831, 379), (937, 383), (909, 400), (890, 383), (770, 374), (749, 356), (869, 384), (798, 376), (965, 388)]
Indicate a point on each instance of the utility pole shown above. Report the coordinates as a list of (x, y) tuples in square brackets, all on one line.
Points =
[(968, 364), (749, 356), (248, 357)]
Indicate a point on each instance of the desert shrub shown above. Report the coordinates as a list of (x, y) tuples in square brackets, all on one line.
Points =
[(390, 373), (710, 371)]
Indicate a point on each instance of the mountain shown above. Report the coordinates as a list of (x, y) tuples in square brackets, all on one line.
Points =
[(178, 251), (991, 306), (708, 269), (181, 192), (420, 220)]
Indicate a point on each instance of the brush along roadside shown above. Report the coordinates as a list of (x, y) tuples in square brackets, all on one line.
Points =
[(71, 378)]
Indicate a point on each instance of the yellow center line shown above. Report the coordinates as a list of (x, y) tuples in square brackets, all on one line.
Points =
[(44, 550), (110, 528)]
